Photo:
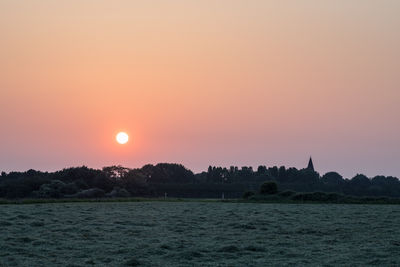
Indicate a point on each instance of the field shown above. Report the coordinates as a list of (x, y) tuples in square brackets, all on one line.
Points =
[(198, 234)]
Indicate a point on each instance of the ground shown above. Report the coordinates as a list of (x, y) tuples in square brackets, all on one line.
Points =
[(198, 234)]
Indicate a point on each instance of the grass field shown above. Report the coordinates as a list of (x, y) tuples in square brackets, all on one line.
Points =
[(198, 234)]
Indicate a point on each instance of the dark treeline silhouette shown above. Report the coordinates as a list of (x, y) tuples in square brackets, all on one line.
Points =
[(174, 180)]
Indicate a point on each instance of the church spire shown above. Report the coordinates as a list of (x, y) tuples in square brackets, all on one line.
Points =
[(310, 165)]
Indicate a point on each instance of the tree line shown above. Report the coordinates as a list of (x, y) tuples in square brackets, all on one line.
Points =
[(177, 181)]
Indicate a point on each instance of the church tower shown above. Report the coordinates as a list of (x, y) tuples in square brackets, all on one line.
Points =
[(310, 165)]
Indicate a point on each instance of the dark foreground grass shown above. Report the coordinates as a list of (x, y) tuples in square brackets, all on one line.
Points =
[(319, 198), (92, 200), (182, 233)]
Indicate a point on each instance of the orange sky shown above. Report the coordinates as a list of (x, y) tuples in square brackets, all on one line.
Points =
[(199, 83)]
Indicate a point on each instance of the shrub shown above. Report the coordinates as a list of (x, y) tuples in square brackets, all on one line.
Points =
[(269, 188), (334, 197), (318, 197), (118, 192), (70, 188), (248, 194), (298, 196), (54, 189), (287, 193), (89, 193)]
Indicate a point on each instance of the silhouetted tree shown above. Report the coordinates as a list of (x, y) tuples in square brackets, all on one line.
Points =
[(115, 172), (358, 185), (261, 170), (273, 171), (332, 181)]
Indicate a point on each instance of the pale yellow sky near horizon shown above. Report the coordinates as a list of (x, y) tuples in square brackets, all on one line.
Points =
[(200, 83)]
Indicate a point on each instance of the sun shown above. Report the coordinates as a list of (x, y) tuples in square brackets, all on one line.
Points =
[(122, 138)]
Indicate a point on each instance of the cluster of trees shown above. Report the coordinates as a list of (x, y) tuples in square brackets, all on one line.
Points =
[(306, 180), (178, 181), (113, 181)]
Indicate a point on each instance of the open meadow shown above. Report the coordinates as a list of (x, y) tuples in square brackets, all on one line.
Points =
[(198, 234)]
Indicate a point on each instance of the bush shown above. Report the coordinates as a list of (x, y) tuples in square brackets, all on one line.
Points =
[(318, 197), (287, 193), (70, 188), (248, 194), (54, 189), (269, 188), (89, 193), (265, 197), (118, 192)]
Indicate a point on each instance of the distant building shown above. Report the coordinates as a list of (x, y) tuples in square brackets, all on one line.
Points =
[(310, 165)]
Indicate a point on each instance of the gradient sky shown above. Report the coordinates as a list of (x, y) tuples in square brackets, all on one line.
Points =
[(201, 83)]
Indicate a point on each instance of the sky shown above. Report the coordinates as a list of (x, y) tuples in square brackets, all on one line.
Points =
[(201, 83)]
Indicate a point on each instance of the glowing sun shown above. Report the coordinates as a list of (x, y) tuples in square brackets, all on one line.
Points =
[(122, 138)]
